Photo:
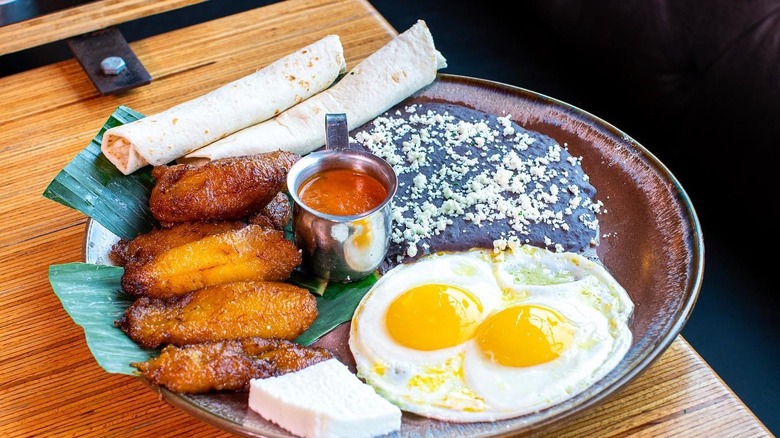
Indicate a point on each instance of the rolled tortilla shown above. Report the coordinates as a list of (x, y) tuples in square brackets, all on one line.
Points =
[(386, 77), (163, 137)]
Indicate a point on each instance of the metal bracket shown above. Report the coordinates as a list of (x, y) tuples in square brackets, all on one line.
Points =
[(106, 45)]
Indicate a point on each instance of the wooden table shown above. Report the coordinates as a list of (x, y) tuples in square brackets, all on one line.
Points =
[(51, 385)]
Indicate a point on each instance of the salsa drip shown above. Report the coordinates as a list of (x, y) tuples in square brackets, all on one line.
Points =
[(342, 192)]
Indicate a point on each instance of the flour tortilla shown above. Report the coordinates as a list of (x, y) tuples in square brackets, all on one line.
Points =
[(163, 137), (394, 72)]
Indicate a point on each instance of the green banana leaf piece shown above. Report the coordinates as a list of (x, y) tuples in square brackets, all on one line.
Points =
[(336, 306), (94, 186), (93, 298), (91, 294)]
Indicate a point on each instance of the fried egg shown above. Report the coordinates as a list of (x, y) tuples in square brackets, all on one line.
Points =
[(483, 336)]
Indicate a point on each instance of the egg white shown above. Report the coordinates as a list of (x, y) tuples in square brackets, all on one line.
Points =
[(513, 391), (470, 271), (460, 383)]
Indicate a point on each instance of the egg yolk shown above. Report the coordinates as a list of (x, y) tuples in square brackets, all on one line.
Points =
[(522, 336), (433, 316)]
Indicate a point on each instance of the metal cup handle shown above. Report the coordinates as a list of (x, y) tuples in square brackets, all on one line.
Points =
[(336, 132)]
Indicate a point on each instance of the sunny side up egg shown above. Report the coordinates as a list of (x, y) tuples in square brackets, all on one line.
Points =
[(483, 336)]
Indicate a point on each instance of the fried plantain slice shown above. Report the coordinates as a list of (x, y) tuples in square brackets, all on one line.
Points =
[(250, 253), (147, 245), (276, 214), (267, 309), (224, 189), (227, 365)]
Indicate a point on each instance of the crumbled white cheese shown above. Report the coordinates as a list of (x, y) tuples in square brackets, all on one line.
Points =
[(513, 187)]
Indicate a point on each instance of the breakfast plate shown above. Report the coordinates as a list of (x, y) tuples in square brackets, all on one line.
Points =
[(649, 240)]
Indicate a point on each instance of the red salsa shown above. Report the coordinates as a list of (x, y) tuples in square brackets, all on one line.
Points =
[(342, 192)]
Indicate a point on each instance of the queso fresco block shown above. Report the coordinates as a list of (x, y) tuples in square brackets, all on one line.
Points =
[(324, 400)]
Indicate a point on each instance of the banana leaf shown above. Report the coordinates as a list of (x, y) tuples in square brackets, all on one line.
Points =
[(94, 186), (336, 306), (91, 294)]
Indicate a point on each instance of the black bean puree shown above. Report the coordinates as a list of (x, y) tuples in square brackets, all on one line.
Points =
[(462, 234)]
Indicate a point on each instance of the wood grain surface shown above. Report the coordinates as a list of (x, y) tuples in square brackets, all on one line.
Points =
[(51, 385), (79, 20)]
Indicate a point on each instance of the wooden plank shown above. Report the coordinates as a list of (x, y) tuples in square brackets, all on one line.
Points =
[(80, 20)]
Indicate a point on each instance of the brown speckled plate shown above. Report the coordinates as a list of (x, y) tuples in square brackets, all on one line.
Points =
[(650, 241)]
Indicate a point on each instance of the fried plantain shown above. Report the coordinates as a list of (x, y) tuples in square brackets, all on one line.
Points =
[(276, 214), (250, 253), (145, 246), (227, 365), (266, 309), (223, 189)]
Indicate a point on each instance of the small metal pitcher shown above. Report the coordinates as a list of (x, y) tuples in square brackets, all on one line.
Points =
[(341, 248)]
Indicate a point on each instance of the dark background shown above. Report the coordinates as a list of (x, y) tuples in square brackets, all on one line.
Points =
[(700, 89)]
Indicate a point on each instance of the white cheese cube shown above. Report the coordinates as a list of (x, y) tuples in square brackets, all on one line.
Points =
[(324, 400)]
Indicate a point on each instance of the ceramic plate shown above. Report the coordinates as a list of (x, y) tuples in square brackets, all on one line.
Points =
[(650, 240)]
